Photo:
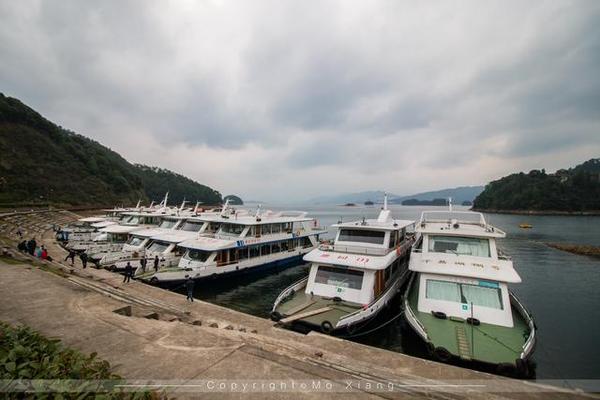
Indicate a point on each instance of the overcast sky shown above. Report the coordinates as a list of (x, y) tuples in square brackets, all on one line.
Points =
[(283, 100)]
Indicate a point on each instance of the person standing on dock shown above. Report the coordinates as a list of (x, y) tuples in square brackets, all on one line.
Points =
[(71, 255), (84, 259), (128, 272), (155, 263), (189, 285), (143, 264)]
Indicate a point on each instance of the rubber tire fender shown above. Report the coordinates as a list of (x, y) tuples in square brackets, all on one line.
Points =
[(326, 327), (276, 316), (442, 354)]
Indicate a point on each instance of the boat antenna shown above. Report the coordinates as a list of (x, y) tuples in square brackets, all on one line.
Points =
[(138, 204), (196, 208), (151, 204), (182, 204), (225, 206), (385, 201), (258, 213), (450, 204), (164, 202)]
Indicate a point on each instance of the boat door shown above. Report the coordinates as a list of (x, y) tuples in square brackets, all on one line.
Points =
[(379, 283)]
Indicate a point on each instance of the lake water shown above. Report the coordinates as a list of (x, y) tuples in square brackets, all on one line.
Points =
[(562, 290)]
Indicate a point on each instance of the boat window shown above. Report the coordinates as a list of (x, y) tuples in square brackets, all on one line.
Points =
[(135, 241), (197, 255), (460, 245), (192, 226), (254, 251), (442, 290), (393, 239), (361, 236), (486, 294), (158, 247), (347, 278), (231, 229), (275, 228), (167, 223)]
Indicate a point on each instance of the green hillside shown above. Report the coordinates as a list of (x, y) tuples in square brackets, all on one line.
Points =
[(42, 163), (574, 189)]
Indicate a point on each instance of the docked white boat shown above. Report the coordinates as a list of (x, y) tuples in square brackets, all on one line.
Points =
[(141, 243), (458, 300), (244, 242), (351, 280)]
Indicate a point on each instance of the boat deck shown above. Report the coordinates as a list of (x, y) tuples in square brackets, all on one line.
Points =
[(488, 343), (303, 303)]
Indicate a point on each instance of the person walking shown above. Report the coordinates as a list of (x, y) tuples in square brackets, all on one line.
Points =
[(143, 264), (19, 233), (189, 285), (128, 272), (156, 263), (84, 259), (71, 255)]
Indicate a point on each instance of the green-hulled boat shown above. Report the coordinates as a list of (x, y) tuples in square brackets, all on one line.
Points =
[(457, 299)]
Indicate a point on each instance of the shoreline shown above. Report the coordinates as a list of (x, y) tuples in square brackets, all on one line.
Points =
[(592, 213), (583, 250)]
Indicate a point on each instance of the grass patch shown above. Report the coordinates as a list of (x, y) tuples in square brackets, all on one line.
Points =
[(26, 357)]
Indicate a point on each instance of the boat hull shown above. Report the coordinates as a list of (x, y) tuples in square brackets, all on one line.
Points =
[(285, 262)]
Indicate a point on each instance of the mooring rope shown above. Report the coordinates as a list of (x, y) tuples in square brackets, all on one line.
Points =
[(374, 329)]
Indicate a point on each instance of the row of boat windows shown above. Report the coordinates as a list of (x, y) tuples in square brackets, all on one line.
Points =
[(483, 296), (371, 237), (256, 230), (351, 278), (254, 251), (467, 246)]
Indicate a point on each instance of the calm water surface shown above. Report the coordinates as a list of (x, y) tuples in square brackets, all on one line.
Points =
[(562, 290)]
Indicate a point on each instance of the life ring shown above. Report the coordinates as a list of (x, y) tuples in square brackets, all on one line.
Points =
[(276, 316), (442, 354), (326, 327)]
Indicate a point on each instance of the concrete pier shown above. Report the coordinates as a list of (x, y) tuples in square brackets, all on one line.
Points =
[(147, 334)]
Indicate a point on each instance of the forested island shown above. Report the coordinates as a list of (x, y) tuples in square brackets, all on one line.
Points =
[(43, 163), (417, 202), (567, 191)]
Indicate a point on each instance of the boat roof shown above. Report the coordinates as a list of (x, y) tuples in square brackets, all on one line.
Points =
[(360, 261), (120, 229), (457, 223), (174, 236), (498, 270), (91, 219), (375, 224), (208, 243), (103, 224), (146, 233), (268, 217)]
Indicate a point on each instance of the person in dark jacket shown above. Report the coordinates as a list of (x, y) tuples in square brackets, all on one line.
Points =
[(84, 259), (128, 272), (189, 285), (31, 245), (156, 263), (71, 255), (22, 247), (143, 264)]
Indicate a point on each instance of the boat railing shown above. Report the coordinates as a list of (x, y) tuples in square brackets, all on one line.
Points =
[(503, 256), (286, 292), (530, 342), (355, 249)]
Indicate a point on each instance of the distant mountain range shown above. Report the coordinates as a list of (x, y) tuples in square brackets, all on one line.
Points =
[(458, 194)]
